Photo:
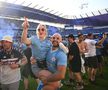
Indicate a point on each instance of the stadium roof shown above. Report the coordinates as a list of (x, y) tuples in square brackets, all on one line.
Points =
[(69, 9), (72, 12)]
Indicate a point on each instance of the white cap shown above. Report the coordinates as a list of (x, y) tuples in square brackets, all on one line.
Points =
[(7, 38)]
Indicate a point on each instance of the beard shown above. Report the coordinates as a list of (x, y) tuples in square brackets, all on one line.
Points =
[(5, 47), (55, 44)]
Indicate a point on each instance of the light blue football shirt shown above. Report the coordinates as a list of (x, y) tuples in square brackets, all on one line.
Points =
[(55, 58), (40, 48)]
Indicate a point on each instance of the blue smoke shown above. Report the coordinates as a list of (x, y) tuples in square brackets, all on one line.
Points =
[(6, 28), (52, 30)]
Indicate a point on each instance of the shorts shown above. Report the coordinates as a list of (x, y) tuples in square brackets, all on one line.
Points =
[(86, 61), (35, 69), (26, 71), (100, 59), (75, 66), (11, 86), (92, 62)]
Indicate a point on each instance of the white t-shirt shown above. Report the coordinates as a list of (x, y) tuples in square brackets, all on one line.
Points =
[(91, 48), (8, 75)]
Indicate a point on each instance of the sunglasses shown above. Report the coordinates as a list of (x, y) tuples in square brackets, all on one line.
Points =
[(41, 29)]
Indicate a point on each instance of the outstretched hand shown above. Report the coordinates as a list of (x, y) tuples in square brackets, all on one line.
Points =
[(104, 35)]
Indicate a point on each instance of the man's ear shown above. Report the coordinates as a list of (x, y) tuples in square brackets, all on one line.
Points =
[(61, 40)]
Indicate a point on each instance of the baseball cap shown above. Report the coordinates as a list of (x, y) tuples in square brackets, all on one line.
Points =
[(7, 38)]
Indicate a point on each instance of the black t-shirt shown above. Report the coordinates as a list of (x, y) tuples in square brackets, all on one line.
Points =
[(74, 51), (75, 63), (28, 54)]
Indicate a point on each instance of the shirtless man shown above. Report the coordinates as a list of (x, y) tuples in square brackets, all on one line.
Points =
[(83, 49)]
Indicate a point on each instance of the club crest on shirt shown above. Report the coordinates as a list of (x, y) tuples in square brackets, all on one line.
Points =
[(53, 59)]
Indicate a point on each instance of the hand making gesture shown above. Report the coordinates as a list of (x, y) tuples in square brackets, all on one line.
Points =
[(25, 24)]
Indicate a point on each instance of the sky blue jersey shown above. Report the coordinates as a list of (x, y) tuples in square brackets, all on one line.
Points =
[(55, 58), (40, 48)]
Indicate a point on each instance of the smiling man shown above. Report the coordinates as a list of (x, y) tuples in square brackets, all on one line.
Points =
[(56, 64)]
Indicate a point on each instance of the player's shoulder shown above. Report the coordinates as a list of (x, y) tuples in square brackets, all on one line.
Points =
[(60, 52)]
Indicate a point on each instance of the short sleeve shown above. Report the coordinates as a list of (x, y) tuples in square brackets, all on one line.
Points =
[(61, 59)]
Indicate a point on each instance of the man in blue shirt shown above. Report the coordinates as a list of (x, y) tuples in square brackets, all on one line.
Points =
[(56, 63)]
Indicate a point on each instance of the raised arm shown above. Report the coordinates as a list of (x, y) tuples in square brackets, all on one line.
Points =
[(102, 40), (63, 47), (25, 26)]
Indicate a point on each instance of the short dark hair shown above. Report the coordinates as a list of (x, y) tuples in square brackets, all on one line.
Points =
[(79, 35), (71, 36), (89, 34)]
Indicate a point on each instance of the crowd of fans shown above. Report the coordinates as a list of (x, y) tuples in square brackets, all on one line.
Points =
[(44, 58)]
